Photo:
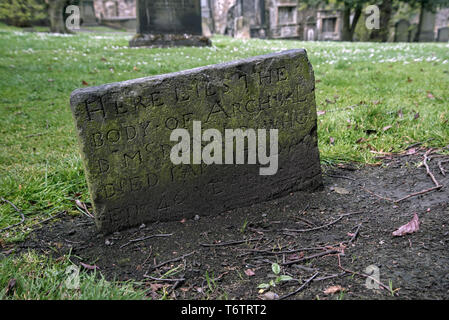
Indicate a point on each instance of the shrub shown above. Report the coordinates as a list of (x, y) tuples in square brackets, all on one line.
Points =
[(22, 13)]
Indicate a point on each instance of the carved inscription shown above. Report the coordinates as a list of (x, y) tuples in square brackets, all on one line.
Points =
[(124, 131)]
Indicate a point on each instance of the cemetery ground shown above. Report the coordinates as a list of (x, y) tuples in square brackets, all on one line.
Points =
[(383, 112)]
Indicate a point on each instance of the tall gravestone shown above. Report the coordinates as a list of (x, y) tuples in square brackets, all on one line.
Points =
[(402, 31), (87, 13), (124, 136), (427, 33), (166, 23), (443, 34)]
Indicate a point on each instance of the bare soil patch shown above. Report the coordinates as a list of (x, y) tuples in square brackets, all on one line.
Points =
[(349, 225)]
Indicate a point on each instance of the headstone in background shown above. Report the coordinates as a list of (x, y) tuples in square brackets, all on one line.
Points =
[(124, 136), (207, 21), (427, 33), (402, 31), (443, 34), (166, 23), (242, 28), (87, 13)]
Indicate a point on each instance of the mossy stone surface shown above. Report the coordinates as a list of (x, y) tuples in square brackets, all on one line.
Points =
[(124, 136)]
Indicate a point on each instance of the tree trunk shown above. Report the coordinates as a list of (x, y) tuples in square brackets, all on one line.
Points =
[(385, 16), (55, 10), (348, 28)]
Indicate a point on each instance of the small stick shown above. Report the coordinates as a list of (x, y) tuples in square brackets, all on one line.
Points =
[(443, 172), (361, 274), (316, 255), (428, 169), (230, 243), (356, 233), (169, 261), (164, 279), (331, 276), (145, 238), (323, 226), (15, 208), (417, 193), (48, 219), (300, 288), (271, 252)]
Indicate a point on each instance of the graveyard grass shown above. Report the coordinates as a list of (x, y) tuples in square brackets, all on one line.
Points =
[(371, 99)]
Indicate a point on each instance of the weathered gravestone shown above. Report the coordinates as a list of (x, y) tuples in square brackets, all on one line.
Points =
[(443, 34), (166, 23), (124, 135), (402, 31)]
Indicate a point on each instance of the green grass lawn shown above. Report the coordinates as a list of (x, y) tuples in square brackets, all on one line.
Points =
[(371, 98)]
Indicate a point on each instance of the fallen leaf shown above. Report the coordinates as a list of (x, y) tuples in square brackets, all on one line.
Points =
[(376, 102), (103, 59), (386, 128), (249, 272), (88, 266), (416, 115), (409, 79), (333, 289), (135, 68), (410, 227), (84, 83), (341, 190)]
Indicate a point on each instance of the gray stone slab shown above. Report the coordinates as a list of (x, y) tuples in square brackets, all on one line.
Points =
[(124, 137)]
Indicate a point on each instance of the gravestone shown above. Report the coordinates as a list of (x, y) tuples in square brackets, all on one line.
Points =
[(124, 136), (241, 28), (166, 23), (443, 34), (87, 13), (427, 27), (402, 31)]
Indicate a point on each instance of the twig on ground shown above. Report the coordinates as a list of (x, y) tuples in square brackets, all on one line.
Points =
[(229, 243), (151, 268), (271, 252), (300, 288), (22, 216), (429, 173), (145, 238), (331, 276), (164, 279), (316, 255), (361, 274), (48, 219), (440, 163), (323, 226), (356, 233)]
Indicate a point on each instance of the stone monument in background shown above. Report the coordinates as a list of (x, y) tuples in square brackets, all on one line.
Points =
[(166, 23)]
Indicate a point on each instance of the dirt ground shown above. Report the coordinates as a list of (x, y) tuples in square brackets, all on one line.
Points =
[(208, 255)]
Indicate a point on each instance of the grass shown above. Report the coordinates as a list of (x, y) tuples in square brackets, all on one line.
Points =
[(371, 98), (36, 277)]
